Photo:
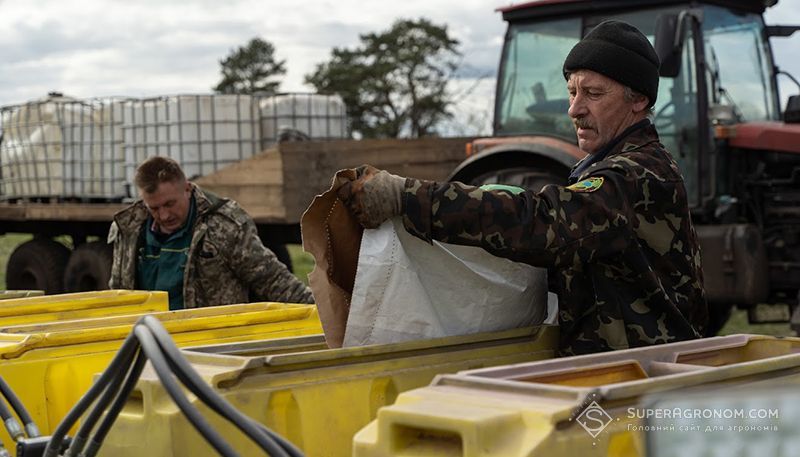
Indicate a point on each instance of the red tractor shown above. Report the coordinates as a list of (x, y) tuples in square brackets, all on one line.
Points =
[(718, 113)]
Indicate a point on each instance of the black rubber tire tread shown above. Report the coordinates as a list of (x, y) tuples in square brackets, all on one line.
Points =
[(89, 267), (37, 264)]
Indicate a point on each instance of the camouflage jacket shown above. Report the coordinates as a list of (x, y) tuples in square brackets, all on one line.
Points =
[(226, 263), (619, 244)]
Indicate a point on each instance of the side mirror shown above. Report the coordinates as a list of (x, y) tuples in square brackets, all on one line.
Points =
[(669, 52)]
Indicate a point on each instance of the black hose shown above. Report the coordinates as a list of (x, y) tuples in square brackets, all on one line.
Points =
[(119, 364), (111, 392), (119, 402), (271, 442), (161, 367), (19, 408), (10, 422)]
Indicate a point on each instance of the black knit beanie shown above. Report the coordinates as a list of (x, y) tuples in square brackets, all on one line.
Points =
[(620, 51)]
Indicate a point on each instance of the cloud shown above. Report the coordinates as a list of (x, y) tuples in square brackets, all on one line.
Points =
[(148, 47)]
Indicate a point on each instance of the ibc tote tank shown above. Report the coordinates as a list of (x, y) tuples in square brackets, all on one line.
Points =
[(42, 141), (320, 117), (203, 133)]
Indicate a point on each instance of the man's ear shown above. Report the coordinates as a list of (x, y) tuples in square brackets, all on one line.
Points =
[(188, 187), (640, 104)]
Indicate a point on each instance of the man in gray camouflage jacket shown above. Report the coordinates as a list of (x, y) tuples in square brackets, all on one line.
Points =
[(618, 241), (202, 249)]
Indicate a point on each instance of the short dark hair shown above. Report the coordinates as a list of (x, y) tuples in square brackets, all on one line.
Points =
[(157, 170)]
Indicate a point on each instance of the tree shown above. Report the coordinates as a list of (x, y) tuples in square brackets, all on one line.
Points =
[(395, 82), (250, 69)]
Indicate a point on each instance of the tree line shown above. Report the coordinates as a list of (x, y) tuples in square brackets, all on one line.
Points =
[(394, 82)]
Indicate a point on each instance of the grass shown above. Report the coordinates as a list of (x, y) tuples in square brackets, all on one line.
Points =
[(304, 263), (738, 324)]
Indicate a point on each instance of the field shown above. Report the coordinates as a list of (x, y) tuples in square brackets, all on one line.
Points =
[(304, 263)]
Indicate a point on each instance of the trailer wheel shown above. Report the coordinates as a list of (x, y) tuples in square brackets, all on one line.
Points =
[(89, 267), (37, 264)]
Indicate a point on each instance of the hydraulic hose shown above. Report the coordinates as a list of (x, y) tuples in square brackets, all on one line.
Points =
[(161, 367), (11, 423), (30, 426), (271, 442), (112, 392), (119, 402), (118, 366), (149, 340)]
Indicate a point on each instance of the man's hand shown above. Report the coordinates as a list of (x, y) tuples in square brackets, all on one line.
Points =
[(374, 196)]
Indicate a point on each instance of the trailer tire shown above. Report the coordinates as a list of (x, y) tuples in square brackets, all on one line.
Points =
[(89, 267), (37, 264)]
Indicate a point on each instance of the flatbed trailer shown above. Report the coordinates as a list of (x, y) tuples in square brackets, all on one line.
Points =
[(274, 187)]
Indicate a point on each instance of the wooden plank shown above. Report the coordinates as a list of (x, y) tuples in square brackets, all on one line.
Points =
[(90, 212), (309, 166), (263, 168), (264, 203)]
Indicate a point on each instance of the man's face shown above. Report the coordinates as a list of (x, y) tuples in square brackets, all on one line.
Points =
[(169, 204), (599, 110)]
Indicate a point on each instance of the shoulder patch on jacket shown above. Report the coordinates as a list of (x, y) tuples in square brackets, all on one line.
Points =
[(587, 185)]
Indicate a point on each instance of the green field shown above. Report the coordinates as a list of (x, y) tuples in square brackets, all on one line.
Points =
[(304, 263)]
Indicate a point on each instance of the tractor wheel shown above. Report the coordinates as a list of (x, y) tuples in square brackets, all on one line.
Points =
[(37, 264)]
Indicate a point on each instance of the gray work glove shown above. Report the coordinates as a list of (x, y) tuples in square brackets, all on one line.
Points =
[(374, 196)]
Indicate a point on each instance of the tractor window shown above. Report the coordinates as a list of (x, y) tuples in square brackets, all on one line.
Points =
[(738, 73), (532, 94)]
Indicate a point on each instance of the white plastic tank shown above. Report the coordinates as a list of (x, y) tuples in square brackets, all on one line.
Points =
[(43, 141), (203, 133), (319, 117), (101, 175)]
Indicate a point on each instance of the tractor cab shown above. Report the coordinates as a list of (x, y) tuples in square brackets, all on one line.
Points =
[(722, 72), (717, 112)]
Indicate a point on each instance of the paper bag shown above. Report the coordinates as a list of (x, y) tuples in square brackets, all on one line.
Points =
[(332, 236)]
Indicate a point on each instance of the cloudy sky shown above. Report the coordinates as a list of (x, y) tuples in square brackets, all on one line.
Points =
[(93, 48)]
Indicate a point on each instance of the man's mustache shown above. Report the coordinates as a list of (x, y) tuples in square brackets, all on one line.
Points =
[(582, 123)]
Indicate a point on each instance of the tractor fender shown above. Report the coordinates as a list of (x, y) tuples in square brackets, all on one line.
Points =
[(538, 153)]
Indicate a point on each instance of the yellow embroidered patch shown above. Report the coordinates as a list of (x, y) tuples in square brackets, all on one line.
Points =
[(587, 185)]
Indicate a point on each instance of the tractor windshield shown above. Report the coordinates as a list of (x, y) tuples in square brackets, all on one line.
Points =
[(532, 94), (738, 66)]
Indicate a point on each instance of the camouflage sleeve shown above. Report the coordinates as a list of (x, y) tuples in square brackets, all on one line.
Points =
[(266, 276), (557, 227)]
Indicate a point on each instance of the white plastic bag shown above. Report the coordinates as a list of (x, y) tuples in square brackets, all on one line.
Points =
[(407, 289)]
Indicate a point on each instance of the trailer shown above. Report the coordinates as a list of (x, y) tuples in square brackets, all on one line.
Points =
[(66, 167)]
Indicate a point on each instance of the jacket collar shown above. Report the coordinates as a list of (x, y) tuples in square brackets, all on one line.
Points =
[(132, 217), (634, 136)]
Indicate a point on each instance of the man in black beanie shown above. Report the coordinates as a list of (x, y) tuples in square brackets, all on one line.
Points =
[(618, 241)]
